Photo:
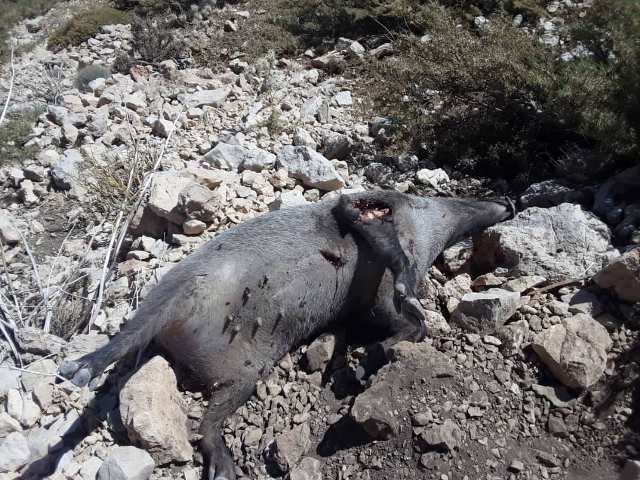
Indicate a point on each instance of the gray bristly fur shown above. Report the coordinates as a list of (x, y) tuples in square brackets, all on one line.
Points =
[(233, 308)]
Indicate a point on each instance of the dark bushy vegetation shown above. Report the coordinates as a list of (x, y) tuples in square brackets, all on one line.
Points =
[(14, 133), (496, 102), (12, 12), (90, 73), (85, 25), (155, 38)]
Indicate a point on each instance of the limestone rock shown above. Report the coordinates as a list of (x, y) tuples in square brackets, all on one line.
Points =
[(287, 199), (34, 340), (8, 424), (15, 452), (9, 234), (446, 436), (237, 157), (556, 243), (312, 168), (126, 463), (320, 352), (526, 282), (212, 98), (8, 379), (623, 276), (165, 193), (84, 343), (485, 311), (153, 412), (162, 128), (302, 138), (436, 178), (290, 446), (65, 172), (436, 323), (199, 203), (575, 350), (309, 468)]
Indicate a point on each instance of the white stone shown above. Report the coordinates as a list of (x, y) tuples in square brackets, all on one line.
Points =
[(126, 463), (312, 168)]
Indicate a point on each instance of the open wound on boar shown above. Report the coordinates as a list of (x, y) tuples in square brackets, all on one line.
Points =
[(372, 210)]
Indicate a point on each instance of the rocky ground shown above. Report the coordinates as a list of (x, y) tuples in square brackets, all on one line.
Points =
[(532, 328)]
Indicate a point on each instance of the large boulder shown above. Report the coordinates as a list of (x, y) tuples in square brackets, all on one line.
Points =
[(575, 350), (556, 243), (154, 414), (376, 408), (310, 167), (623, 276)]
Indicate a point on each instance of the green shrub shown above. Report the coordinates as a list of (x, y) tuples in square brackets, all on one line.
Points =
[(85, 25), (316, 20), (500, 104), (90, 73), (12, 12), (14, 133), (155, 38), (154, 7)]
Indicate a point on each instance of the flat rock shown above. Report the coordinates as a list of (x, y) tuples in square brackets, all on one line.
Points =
[(84, 343), (549, 193), (622, 276), (15, 452), (485, 311), (36, 341), (310, 167), (126, 463), (524, 283), (575, 350), (40, 372), (556, 243), (153, 412), (212, 98), (239, 158)]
